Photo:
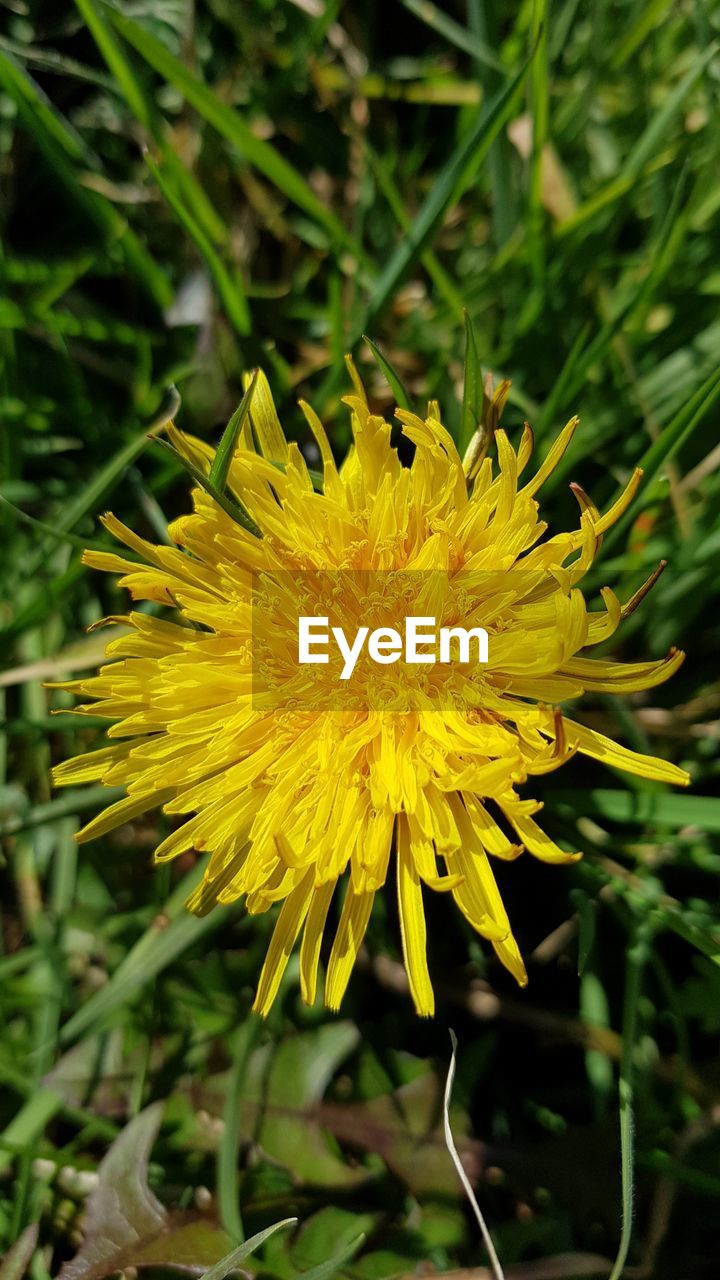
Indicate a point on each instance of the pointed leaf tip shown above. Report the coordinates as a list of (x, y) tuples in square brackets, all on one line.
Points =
[(228, 443)]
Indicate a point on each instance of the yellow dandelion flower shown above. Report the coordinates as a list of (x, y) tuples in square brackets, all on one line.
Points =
[(289, 799)]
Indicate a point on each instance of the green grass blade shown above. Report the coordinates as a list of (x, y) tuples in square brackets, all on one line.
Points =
[(586, 910), (118, 65), (539, 109), (453, 32), (143, 109), (503, 186), (256, 151), (637, 956), (232, 1260), (678, 431), (58, 63), (648, 19), (51, 132), (644, 149), (109, 475), (28, 1125), (324, 1270), (230, 506), (81, 800), (472, 401), (653, 135), (228, 1182), (231, 289), (190, 190), (579, 362), (36, 610), (703, 935), (171, 934), (226, 448), (448, 187), (439, 276), (676, 434), (63, 151), (80, 544), (392, 377)]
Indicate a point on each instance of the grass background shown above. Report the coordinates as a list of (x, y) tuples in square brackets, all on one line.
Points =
[(191, 189)]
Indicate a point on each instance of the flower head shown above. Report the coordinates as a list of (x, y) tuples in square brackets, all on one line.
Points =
[(288, 799)]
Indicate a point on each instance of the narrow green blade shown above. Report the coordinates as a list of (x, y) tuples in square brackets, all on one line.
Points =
[(472, 401), (230, 506), (392, 377), (226, 448)]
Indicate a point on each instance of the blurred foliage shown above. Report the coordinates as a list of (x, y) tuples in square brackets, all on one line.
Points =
[(188, 191)]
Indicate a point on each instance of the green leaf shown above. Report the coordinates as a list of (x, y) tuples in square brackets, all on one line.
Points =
[(393, 379), (125, 1225), (122, 1210), (331, 1233), (282, 1104), (644, 807), (226, 449), (230, 506), (80, 800)]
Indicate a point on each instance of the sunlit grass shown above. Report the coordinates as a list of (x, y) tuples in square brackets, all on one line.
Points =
[(267, 183)]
